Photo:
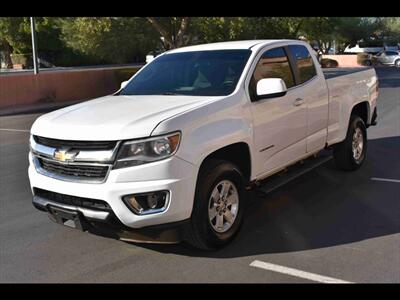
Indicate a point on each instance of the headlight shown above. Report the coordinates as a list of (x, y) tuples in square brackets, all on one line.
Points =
[(133, 153)]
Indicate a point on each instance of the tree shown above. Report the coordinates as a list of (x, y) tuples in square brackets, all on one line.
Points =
[(273, 27), (391, 27), (15, 36), (321, 30), (6, 50), (346, 31), (90, 40), (11, 35), (351, 30), (109, 39), (173, 30), (218, 29)]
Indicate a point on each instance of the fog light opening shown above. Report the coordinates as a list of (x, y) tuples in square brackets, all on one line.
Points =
[(134, 204), (147, 203), (152, 201)]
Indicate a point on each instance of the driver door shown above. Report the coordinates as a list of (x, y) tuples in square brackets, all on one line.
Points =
[(280, 124)]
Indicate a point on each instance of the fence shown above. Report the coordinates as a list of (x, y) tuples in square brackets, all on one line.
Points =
[(50, 86), (344, 61)]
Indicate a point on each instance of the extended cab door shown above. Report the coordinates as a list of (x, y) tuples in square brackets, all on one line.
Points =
[(312, 89), (279, 124)]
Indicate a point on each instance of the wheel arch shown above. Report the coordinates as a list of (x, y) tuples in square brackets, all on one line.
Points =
[(362, 109), (237, 153)]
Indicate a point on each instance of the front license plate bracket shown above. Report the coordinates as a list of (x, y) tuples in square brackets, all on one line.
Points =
[(66, 217)]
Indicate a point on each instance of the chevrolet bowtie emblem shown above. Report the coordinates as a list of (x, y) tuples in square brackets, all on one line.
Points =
[(65, 155)]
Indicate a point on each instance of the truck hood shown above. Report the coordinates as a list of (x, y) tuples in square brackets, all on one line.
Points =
[(114, 117)]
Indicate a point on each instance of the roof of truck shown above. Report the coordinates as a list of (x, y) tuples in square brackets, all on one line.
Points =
[(247, 44)]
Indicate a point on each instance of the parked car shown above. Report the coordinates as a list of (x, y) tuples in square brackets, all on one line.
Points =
[(373, 48), (172, 154), (153, 54), (387, 58)]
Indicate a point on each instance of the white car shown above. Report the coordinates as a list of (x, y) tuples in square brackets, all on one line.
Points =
[(153, 54), (375, 49), (391, 58), (171, 155)]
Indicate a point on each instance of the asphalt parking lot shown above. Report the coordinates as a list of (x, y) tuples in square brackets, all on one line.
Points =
[(324, 226)]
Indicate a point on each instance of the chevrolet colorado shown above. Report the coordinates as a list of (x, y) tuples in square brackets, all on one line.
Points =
[(170, 156)]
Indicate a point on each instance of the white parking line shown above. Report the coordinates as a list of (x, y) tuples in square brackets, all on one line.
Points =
[(385, 179), (295, 272), (20, 130)]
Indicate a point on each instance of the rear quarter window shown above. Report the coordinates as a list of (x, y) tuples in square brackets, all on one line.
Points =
[(304, 62)]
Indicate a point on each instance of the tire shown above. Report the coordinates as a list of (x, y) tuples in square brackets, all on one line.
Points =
[(368, 63), (343, 155), (397, 63), (201, 232)]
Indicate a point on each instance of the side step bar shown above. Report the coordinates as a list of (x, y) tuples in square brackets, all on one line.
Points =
[(277, 180)]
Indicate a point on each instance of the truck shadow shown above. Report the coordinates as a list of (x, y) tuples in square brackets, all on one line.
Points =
[(323, 208)]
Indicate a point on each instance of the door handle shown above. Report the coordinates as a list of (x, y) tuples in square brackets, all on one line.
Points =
[(298, 102)]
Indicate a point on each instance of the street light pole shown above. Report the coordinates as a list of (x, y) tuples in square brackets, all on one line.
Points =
[(34, 47)]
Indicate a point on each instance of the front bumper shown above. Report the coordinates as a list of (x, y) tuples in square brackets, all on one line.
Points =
[(172, 174), (105, 223)]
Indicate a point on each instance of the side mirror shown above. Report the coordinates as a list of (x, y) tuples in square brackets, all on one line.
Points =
[(270, 88), (123, 84)]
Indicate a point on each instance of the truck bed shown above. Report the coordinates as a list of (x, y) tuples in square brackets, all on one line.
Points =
[(336, 72)]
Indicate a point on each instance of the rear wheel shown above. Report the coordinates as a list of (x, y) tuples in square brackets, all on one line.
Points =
[(397, 63), (350, 154), (218, 206)]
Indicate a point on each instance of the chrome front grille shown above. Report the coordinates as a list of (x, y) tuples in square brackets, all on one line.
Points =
[(90, 161), (74, 170)]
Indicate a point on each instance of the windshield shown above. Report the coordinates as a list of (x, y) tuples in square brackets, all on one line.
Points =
[(197, 73)]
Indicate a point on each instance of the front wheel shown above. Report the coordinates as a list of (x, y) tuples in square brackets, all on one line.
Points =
[(218, 206), (397, 63), (350, 154)]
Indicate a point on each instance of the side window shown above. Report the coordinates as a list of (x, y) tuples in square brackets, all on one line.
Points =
[(273, 63), (304, 62)]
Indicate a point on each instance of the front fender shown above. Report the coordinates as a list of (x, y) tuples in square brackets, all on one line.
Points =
[(210, 127), (207, 138)]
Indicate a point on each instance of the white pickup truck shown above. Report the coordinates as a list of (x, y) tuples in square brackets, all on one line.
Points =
[(171, 155)]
